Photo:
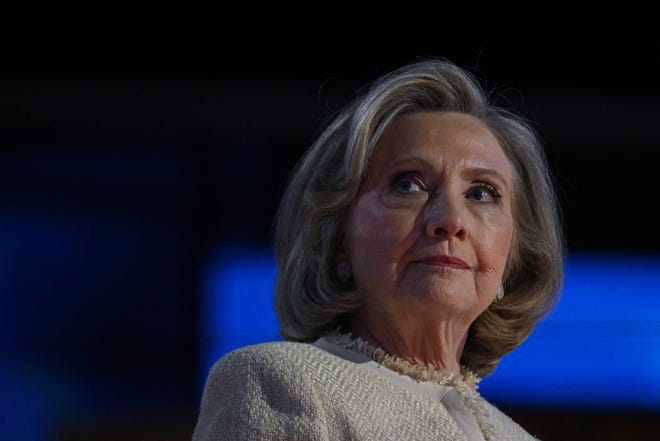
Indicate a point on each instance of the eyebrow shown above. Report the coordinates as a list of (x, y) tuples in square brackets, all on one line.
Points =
[(410, 160), (478, 171)]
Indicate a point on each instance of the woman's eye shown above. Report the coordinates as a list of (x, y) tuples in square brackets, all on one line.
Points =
[(407, 185), (484, 193)]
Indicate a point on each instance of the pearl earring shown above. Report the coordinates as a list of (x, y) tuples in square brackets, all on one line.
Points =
[(500, 292)]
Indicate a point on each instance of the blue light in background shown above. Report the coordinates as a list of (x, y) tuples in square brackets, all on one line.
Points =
[(236, 303), (600, 347), (69, 285)]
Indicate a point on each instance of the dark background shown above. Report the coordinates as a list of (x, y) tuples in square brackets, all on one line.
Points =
[(132, 149)]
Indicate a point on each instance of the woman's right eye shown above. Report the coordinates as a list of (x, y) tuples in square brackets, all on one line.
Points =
[(407, 184)]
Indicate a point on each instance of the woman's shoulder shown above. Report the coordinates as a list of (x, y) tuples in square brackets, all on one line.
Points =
[(268, 350), (261, 391), (273, 354)]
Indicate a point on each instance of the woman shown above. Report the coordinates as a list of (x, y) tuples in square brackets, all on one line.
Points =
[(417, 243)]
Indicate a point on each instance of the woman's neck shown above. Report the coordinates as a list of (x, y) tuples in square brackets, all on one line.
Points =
[(440, 345)]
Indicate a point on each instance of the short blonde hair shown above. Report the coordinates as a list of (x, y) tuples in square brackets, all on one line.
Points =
[(311, 296)]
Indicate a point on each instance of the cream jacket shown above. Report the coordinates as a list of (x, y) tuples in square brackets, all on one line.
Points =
[(299, 391)]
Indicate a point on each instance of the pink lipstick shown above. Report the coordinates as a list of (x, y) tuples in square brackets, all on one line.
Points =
[(445, 261)]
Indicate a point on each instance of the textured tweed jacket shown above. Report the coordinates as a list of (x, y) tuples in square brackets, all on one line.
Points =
[(298, 391)]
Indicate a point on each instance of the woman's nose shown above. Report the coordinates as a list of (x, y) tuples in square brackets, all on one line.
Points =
[(446, 218)]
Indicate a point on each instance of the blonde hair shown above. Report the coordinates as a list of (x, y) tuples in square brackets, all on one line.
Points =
[(312, 296)]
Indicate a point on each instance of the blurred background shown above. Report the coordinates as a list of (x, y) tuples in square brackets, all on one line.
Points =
[(141, 161)]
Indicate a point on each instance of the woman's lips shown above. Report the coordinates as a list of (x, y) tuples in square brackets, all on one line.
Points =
[(446, 262)]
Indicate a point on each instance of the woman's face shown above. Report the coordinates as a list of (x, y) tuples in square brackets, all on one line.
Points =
[(430, 231)]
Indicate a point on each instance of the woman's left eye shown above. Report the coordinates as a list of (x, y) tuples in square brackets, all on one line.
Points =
[(484, 193)]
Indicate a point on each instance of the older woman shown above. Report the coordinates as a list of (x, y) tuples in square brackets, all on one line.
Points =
[(418, 242)]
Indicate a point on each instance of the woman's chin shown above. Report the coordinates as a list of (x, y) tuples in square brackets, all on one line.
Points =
[(446, 300)]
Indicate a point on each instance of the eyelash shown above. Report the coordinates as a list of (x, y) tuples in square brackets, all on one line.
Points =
[(416, 179), (494, 193), (407, 176)]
